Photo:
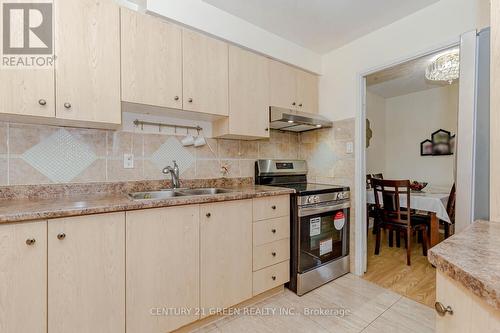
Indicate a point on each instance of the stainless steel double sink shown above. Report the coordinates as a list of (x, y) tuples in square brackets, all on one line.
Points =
[(165, 194)]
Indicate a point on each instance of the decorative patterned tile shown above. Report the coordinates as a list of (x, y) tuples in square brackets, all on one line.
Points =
[(60, 157), (172, 150), (23, 137)]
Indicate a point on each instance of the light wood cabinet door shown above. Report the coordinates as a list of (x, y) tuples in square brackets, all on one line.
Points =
[(23, 277), (226, 253), (86, 274), (205, 74), (151, 60), (283, 85), (27, 92), (248, 93), (162, 268), (470, 313), (307, 92), (87, 47)]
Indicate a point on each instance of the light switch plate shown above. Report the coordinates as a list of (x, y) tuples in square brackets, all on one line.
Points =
[(128, 161), (349, 147)]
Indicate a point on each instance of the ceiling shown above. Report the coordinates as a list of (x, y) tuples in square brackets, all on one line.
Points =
[(320, 25), (404, 79)]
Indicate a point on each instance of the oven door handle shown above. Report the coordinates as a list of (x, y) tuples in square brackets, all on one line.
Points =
[(308, 211)]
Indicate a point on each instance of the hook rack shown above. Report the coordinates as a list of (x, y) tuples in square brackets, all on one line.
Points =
[(141, 123)]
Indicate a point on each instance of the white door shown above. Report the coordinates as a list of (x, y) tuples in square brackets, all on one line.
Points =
[(465, 134)]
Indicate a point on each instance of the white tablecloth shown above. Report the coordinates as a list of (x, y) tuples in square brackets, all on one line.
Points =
[(429, 202)]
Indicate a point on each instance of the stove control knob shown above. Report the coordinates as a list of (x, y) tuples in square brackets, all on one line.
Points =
[(316, 198), (341, 196), (309, 200)]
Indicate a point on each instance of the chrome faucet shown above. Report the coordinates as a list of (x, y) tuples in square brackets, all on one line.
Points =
[(174, 172)]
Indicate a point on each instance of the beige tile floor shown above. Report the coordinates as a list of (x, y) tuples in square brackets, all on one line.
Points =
[(368, 308)]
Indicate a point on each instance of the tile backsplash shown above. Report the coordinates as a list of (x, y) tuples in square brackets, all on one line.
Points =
[(37, 154)]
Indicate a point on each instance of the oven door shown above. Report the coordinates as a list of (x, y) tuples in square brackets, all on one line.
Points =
[(323, 234)]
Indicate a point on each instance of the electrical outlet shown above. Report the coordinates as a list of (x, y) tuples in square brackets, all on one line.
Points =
[(349, 147), (128, 161)]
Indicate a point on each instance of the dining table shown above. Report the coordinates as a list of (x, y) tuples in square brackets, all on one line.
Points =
[(431, 201)]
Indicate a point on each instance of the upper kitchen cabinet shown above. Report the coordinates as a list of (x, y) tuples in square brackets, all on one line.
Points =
[(248, 97), (151, 51), (283, 85), (205, 74), (292, 88), (87, 47), (307, 92), (27, 92)]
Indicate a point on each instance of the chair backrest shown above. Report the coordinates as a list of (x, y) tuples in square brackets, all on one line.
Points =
[(390, 207), (378, 175), (450, 207), (368, 181)]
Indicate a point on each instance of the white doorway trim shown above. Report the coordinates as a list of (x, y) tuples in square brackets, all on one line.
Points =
[(360, 252)]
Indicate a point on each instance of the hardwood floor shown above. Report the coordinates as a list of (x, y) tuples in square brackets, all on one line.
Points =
[(349, 304), (389, 270)]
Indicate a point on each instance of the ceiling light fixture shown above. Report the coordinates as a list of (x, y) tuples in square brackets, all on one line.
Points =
[(445, 68)]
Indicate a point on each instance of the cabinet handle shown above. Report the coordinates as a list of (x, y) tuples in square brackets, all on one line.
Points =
[(274, 254), (42, 102), (61, 236), (208, 215), (67, 105), (273, 207), (273, 231), (273, 277), (30, 241), (190, 100), (442, 310), (176, 98)]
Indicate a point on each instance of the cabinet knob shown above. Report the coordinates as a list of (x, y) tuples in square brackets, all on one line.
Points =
[(67, 105), (42, 102), (267, 129), (294, 103), (30, 241), (273, 207), (273, 254), (300, 104), (273, 231), (190, 100), (176, 98), (273, 277), (61, 236), (442, 310), (208, 215)]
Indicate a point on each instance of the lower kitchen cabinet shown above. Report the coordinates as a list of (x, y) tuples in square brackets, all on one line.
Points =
[(226, 254), (86, 274), (23, 277), (163, 258), (470, 313)]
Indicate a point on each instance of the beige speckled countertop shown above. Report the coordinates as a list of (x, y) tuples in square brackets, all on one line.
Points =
[(472, 258), (17, 210)]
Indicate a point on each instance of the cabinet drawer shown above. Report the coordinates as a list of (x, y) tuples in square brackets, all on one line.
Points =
[(267, 231), (271, 207), (271, 277), (271, 254)]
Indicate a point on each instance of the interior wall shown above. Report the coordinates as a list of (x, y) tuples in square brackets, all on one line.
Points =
[(375, 153), (409, 120)]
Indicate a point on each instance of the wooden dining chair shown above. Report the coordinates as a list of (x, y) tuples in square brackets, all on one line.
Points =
[(395, 218), (371, 211), (450, 209)]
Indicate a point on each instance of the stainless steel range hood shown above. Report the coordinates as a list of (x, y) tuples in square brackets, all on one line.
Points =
[(296, 121)]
